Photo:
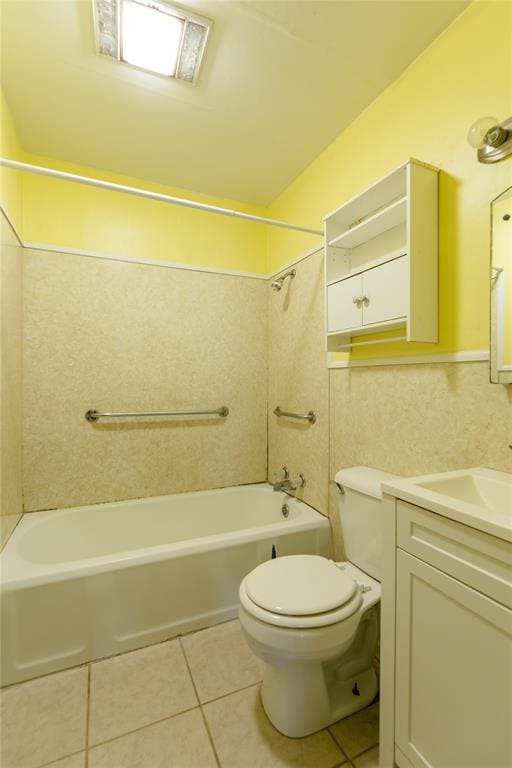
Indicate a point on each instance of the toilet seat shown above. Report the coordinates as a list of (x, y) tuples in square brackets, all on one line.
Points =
[(300, 591), (299, 585)]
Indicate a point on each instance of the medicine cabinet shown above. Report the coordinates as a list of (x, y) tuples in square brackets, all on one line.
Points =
[(501, 289), (381, 260)]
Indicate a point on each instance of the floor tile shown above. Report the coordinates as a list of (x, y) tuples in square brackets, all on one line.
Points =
[(138, 688), (359, 732), (75, 761), (44, 719), (368, 760), (181, 742), (244, 737), (221, 661)]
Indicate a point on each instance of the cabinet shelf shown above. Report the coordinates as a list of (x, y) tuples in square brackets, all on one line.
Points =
[(387, 218), (381, 259)]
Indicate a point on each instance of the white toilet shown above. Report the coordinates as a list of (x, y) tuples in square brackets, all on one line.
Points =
[(315, 623)]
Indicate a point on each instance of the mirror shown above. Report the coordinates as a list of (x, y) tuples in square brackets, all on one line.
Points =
[(501, 288)]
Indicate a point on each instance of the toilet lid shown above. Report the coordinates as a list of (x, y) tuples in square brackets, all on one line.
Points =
[(299, 585)]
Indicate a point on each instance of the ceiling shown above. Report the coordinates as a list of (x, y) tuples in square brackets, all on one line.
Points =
[(279, 81)]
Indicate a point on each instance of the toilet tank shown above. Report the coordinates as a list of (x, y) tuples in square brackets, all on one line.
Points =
[(360, 511)]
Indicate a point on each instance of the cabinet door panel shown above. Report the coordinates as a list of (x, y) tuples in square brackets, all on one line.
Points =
[(454, 672), (481, 561), (387, 291), (342, 312)]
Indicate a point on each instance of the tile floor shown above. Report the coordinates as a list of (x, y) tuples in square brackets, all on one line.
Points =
[(191, 702)]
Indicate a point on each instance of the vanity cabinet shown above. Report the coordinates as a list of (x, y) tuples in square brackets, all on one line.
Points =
[(446, 695), (381, 259)]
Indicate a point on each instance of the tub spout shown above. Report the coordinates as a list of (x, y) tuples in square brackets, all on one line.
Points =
[(290, 484)]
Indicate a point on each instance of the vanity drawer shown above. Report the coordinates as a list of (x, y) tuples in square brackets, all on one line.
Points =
[(482, 561)]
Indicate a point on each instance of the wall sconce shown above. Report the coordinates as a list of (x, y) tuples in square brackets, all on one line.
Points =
[(492, 139)]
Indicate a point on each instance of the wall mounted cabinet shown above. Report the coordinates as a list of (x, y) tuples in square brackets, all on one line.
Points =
[(381, 259)]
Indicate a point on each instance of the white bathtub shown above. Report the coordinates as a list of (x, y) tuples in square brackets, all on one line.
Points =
[(84, 583)]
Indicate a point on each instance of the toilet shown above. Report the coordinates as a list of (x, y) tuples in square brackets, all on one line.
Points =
[(315, 622)]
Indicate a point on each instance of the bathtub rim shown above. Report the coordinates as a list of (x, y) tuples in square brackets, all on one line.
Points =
[(47, 573)]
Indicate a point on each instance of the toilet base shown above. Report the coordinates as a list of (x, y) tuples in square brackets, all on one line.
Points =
[(328, 700)]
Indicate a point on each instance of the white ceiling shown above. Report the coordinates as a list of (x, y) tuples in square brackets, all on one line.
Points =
[(279, 81)]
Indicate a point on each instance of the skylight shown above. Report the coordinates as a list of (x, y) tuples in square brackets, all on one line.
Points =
[(151, 35)]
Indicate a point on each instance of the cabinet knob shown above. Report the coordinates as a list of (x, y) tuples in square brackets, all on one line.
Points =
[(356, 299)]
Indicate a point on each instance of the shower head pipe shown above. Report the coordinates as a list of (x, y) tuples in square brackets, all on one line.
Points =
[(276, 285)]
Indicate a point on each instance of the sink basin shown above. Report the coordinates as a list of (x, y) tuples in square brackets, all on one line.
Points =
[(479, 497), (474, 487)]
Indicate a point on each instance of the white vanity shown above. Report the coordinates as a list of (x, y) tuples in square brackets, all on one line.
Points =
[(446, 644)]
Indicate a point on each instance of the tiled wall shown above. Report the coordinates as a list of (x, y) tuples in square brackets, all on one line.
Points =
[(10, 379), (119, 336), (406, 419), (416, 419), (298, 380)]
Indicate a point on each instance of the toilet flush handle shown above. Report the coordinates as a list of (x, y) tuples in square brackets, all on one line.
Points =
[(338, 487)]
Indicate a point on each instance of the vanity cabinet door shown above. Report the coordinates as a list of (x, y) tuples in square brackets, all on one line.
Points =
[(453, 706)]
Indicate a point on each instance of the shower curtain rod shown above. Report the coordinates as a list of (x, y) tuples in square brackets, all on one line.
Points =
[(146, 193)]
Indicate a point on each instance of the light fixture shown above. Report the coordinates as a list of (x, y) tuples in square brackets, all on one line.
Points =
[(151, 35), (492, 139)]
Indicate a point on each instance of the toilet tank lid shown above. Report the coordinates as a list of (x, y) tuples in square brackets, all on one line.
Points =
[(364, 479)]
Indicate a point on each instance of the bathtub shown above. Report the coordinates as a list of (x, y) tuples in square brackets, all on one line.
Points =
[(84, 583)]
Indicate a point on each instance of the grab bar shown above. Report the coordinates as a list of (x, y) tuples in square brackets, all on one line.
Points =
[(309, 416), (93, 415)]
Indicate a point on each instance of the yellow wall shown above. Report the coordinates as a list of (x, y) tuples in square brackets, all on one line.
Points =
[(465, 74), (71, 215), (76, 216), (10, 181)]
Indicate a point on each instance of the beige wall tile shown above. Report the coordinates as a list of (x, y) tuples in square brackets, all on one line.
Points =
[(11, 282), (138, 688), (181, 741), (298, 380), (243, 736), (417, 419), (121, 336), (220, 660), (44, 719)]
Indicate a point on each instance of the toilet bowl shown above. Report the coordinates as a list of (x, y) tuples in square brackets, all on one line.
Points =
[(319, 664), (314, 622)]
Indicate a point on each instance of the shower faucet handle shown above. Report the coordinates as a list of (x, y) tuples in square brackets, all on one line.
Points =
[(283, 475)]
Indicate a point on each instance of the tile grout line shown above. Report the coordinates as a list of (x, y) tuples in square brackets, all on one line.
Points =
[(365, 752), (87, 695), (89, 746), (64, 757), (88, 715), (141, 728), (343, 753), (210, 737), (225, 695)]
